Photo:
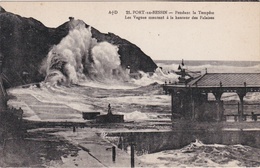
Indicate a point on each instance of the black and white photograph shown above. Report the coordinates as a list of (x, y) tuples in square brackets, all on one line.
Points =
[(129, 84)]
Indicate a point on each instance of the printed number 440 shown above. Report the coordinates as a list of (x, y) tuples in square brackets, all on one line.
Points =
[(113, 12)]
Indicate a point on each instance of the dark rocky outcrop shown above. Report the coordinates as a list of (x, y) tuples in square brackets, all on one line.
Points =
[(25, 42)]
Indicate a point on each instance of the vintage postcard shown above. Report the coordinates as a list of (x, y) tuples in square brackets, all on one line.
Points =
[(129, 84)]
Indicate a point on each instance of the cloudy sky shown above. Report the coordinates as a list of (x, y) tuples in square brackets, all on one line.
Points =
[(233, 34)]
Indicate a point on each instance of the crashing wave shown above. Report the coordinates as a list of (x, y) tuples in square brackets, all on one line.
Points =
[(79, 57)]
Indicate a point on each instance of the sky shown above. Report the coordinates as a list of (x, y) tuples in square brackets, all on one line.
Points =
[(233, 34)]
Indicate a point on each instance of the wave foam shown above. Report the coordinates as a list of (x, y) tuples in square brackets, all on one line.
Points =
[(159, 76), (200, 154), (79, 57)]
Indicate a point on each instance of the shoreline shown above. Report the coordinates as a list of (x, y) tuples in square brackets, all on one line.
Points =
[(54, 135)]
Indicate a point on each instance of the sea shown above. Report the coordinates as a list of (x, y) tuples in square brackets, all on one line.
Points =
[(142, 101), (83, 75), (213, 66)]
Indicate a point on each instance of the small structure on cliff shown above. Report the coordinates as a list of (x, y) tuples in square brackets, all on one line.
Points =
[(189, 96), (71, 18)]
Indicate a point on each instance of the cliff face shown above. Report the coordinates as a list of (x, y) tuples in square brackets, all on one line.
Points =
[(25, 42)]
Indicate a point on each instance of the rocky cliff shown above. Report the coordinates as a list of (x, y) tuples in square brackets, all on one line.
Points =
[(25, 42)]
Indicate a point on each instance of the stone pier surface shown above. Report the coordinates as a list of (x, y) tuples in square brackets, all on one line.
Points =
[(95, 150), (37, 110), (99, 149)]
